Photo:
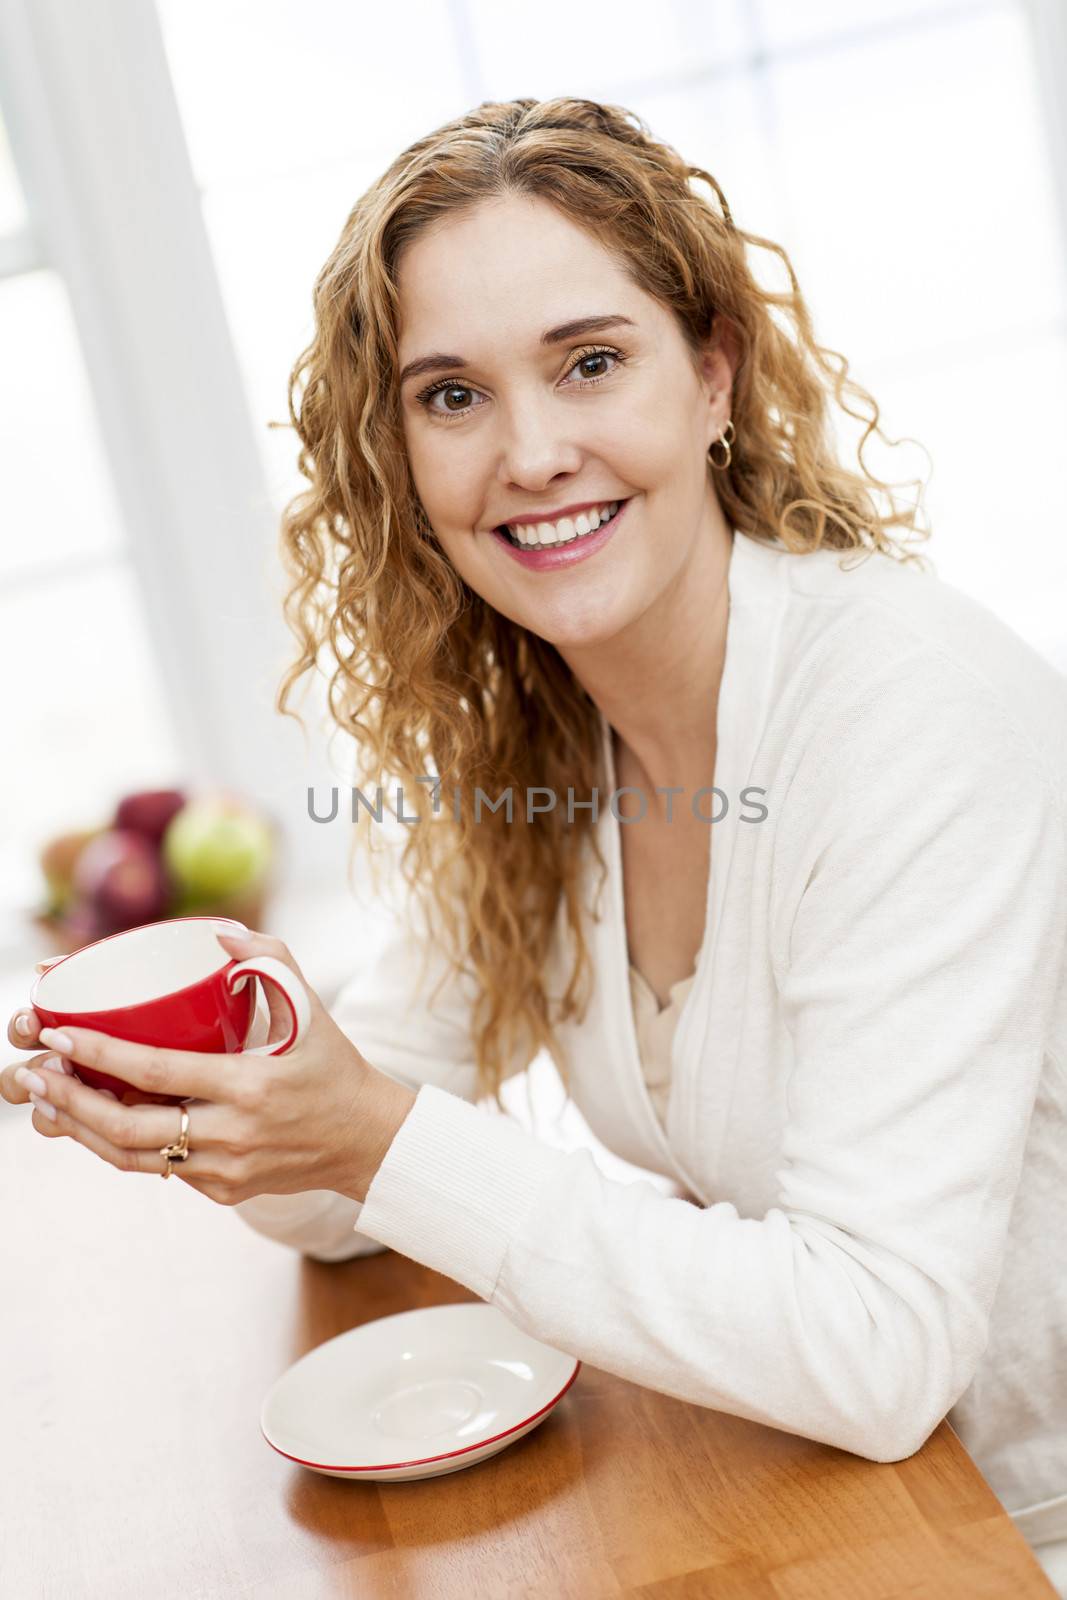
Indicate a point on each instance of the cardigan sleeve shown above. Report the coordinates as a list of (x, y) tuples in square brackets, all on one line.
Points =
[(917, 942), (389, 1010)]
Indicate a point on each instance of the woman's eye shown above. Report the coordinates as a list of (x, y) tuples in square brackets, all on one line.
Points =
[(582, 365), (449, 394)]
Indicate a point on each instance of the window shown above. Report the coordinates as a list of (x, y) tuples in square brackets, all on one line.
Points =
[(84, 715)]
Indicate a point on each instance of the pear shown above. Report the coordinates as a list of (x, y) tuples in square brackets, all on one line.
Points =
[(57, 861)]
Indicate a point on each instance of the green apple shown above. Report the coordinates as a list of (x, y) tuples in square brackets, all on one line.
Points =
[(214, 847)]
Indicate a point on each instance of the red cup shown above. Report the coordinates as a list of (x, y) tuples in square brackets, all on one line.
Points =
[(169, 984)]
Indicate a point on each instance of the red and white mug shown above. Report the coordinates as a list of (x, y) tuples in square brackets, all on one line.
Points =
[(169, 984)]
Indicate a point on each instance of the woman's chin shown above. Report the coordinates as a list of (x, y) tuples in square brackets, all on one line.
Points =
[(583, 624)]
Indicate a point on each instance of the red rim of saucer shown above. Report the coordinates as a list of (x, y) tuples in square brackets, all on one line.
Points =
[(425, 1461), (120, 934)]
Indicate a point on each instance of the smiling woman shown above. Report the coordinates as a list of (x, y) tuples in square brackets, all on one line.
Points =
[(576, 503), (598, 344)]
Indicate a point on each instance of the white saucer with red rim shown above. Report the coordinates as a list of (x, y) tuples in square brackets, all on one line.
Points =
[(415, 1395)]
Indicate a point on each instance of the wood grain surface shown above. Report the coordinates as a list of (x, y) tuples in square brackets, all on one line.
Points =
[(142, 1326)]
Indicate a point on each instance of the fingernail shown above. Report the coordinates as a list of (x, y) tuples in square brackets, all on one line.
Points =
[(42, 1105), (23, 1024), (30, 1079), (55, 1064), (56, 1041)]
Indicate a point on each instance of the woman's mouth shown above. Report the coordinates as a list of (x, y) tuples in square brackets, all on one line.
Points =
[(541, 557)]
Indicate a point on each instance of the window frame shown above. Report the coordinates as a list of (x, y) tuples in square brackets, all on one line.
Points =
[(84, 95)]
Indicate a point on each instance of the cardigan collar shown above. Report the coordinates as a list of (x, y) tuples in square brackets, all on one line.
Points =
[(756, 581)]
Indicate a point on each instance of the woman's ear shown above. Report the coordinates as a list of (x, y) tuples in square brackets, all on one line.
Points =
[(719, 356), (720, 353)]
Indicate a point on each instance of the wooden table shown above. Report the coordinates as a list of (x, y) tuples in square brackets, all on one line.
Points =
[(142, 1326)]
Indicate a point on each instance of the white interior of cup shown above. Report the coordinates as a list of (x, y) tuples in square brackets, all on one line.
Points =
[(136, 966)]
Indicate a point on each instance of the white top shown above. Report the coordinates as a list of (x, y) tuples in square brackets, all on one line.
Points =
[(869, 1087), (654, 1029)]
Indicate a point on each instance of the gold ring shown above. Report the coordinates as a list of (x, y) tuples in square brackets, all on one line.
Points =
[(179, 1150)]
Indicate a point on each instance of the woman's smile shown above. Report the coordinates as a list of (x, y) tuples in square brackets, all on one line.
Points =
[(544, 557)]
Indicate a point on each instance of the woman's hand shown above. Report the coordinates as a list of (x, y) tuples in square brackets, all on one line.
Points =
[(318, 1117)]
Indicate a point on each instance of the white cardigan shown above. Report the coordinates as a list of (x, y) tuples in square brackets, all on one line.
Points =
[(869, 1094)]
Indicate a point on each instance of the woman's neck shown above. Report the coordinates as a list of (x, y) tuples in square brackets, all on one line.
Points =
[(658, 687)]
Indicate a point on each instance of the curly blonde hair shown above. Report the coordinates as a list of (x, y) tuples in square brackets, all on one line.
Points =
[(430, 679)]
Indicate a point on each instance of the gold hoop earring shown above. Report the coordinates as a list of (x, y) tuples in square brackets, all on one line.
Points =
[(721, 466)]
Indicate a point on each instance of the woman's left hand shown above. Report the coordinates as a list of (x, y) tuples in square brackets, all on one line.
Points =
[(318, 1117)]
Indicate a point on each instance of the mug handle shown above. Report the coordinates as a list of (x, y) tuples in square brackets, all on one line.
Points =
[(270, 970)]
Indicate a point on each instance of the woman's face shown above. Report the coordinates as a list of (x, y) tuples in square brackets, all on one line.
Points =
[(522, 426)]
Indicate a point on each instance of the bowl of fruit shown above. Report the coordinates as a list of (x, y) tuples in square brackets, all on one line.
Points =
[(163, 853)]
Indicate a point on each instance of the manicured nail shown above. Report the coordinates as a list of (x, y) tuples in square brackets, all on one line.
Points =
[(23, 1024), (30, 1079), (55, 1064), (56, 1041), (42, 1105)]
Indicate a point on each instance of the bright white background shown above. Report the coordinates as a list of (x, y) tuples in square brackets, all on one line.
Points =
[(178, 173)]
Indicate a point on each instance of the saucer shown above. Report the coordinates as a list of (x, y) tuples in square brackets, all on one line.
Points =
[(415, 1395)]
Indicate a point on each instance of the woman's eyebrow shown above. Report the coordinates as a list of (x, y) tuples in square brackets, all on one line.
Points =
[(437, 362)]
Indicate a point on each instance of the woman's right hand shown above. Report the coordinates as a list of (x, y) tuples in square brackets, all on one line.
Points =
[(15, 1093)]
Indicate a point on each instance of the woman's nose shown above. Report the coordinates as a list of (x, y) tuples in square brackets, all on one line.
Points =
[(538, 446)]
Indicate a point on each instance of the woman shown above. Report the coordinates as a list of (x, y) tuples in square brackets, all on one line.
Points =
[(814, 973)]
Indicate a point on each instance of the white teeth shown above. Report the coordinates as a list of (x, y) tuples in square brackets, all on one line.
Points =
[(566, 530)]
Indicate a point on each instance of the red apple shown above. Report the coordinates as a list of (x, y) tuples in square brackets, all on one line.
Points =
[(148, 811), (121, 875)]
